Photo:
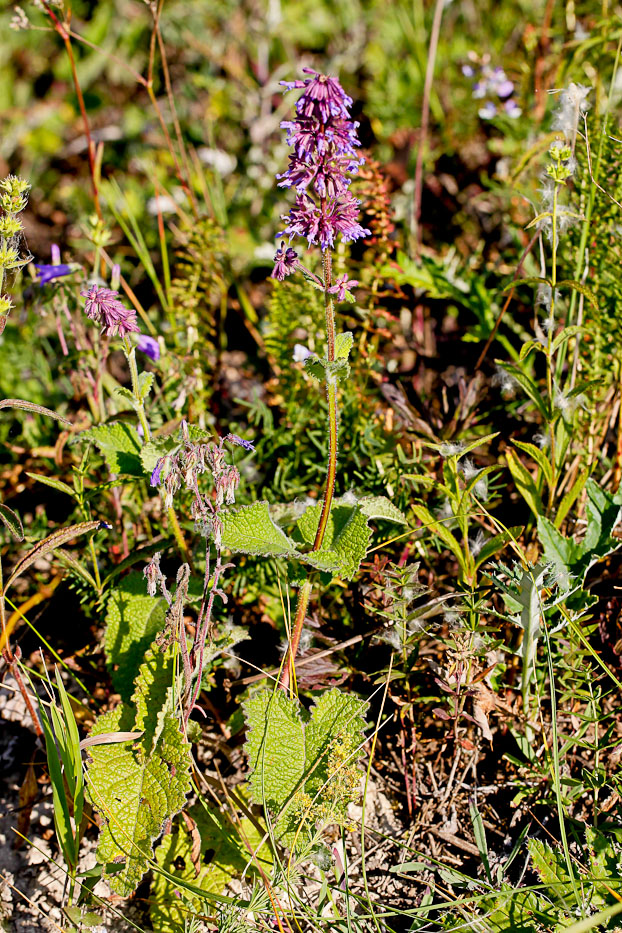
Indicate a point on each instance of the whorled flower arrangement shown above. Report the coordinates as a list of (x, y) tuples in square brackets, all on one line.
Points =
[(325, 141)]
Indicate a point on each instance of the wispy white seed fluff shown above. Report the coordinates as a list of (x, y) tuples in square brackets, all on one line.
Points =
[(572, 104)]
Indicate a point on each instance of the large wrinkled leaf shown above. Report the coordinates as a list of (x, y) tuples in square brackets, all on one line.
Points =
[(251, 530), (137, 787), (288, 750), (345, 540), (133, 619), (207, 858)]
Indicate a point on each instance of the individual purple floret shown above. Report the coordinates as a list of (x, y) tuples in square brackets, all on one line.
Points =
[(149, 346), (240, 441), (324, 140), (156, 476), (342, 287), (103, 306), (47, 273), (286, 260)]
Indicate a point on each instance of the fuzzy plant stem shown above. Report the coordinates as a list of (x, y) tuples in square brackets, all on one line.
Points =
[(331, 472), (130, 353)]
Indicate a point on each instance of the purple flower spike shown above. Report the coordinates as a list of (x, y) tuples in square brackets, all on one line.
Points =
[(286, 261), (240, 441), (47, 273), (156, 476), (342, 287), (149, 346), (324, 140), (104, 306)]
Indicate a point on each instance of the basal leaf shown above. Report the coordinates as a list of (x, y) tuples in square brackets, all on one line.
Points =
[(275, 747), (134, 794), (207, 858), (250, 530), (133, 619), (304, 763), (336, 717)]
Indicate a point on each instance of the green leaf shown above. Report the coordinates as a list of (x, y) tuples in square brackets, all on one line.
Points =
[(316, 367), (12, 521), (343, 345), (528, 386), (439, 530), (345, 540), (275, 746), (496, 544), (334, 716), (219, 857), (153, 695), (145, 383), (524, 483), (531, 611), (565, 335), (158, 447), (580, 287), (289, 757), (134, 794), (119, 444), (381, 507), (539, 456), (251, 530), (558, 550), (54, 483), (133, 619)]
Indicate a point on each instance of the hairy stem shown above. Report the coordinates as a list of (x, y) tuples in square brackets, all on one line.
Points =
[(331, 472)]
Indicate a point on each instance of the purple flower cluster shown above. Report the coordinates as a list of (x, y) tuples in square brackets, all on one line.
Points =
[(104, 306), (493, 87), (324, 140), (186, 465)]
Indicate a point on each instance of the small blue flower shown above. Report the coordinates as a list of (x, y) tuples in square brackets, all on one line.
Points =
[(149, 346), (240, 441), (156, 476), (48, 273)]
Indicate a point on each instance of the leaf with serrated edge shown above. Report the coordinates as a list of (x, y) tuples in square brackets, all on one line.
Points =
[(275, 747), (334, 716), (153, 695), (120, 446), (343, 345), (345, 540), (381, 507), (133, 619), (251, 530), (287, 755), (135, 794)]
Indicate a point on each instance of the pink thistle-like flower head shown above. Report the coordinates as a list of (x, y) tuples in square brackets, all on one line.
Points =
[(104, 306)]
